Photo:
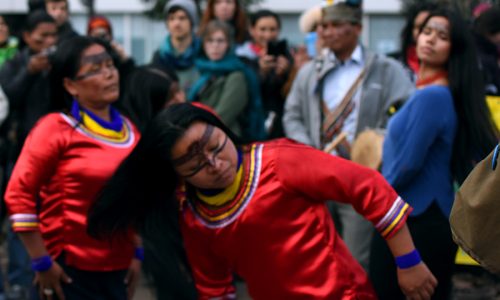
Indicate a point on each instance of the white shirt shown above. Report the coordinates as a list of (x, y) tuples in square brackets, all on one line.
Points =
[(338, 82)]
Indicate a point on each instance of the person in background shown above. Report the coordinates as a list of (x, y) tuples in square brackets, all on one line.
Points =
[(223, 85), (415, 13), (433, 141), (486, 29), (350, 79), (100, 27), (273, 67), (66, 160), (59, 10), (481, 8), (8, 48), (149, 91), (179, 49), (229, 11), (35, 5), (25, 82), (8, 44), (310, 24), (25, 77)]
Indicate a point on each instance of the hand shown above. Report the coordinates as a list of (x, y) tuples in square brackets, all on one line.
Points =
[(282, 65), (300, 57), (38, 63), (266, 64), (132, 277), (119, 50), (417, 283), (51, 280)]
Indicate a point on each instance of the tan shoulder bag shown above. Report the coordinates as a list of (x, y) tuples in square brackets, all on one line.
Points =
[(475, 216)]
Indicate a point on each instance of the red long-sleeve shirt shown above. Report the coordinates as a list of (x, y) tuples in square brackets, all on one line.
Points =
[(278, 235), (61, 169)]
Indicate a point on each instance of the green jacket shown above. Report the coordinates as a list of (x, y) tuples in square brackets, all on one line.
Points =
[(228, 96), (8, 51)]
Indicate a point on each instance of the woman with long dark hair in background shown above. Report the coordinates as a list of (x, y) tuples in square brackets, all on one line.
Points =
[(149, 90), (432, 142), (231, 12), (416, 13)]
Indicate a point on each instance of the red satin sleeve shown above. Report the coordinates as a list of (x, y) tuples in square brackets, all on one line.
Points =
[(34, 167), (320, 176)]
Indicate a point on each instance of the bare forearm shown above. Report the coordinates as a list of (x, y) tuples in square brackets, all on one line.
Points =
[(414, 277), (137, 240), (401, 243), (33, 242)]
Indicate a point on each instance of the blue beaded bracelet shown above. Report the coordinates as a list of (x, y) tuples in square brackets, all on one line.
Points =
[(139, 253), (408, 260), (41, 264)]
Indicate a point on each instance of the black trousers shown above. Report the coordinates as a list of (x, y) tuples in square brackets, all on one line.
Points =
[(91, 285), (432, 237)]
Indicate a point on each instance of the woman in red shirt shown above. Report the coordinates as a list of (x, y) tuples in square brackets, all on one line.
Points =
[(258, 211), (66, 160)]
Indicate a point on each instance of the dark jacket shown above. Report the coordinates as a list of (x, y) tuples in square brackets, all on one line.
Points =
[(271, 87), (488, 58), (28, 94), (65, 32)]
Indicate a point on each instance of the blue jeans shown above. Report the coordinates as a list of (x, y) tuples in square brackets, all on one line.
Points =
[(19, 268)]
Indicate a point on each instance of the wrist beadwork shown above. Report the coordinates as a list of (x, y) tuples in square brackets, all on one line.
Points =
[(408, 260)]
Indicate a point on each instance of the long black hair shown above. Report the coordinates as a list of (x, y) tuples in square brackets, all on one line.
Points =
[(476, 135), (146, 179), (141, 195), (147, 94), (65, 64), (411, 12)]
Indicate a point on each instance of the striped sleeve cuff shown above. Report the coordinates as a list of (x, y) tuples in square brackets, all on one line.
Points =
[(24, 222), (394, 218)]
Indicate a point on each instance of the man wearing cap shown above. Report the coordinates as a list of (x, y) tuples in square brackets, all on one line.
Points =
[(177, 53), (344, 91)]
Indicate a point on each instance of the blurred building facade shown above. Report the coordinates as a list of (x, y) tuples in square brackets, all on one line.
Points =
[(141, 36)]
